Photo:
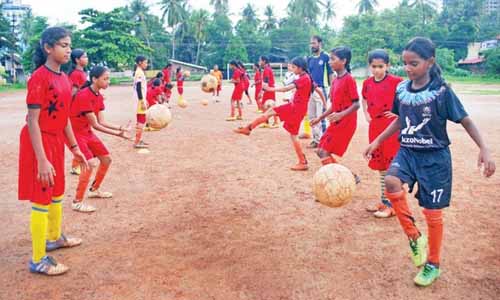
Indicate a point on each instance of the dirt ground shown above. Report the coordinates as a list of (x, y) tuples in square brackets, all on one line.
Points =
[(211, 215)]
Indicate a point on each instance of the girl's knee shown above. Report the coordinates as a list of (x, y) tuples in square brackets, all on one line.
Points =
[(106, 160), (393, 184)]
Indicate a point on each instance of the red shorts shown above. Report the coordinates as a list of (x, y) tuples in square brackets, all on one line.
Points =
[(383, 155), (337, 137), (30, 188), (258, 89), (268, 96), (219, 87), (237, 94), (168, 93), (90, 145), (291, 116), (141, 118), (180, 90)]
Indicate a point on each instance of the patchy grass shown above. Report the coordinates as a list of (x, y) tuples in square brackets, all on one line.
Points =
[(12, 87)]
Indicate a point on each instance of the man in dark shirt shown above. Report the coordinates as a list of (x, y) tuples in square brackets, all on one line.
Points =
[(322, 76)]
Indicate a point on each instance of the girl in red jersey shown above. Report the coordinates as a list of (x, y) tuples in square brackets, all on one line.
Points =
[(180, 84), (78, 77), (257, 78), (167, 80), (293, 112), (87, 113), (246, 81), (268, 78), (378, 96), (342, 114), (237, 92), (41, 151)]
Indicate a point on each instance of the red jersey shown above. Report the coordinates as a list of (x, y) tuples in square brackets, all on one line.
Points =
[(380, 95), (237, 76), (51, 93), (78, 78), (166, 75), (342, 94), (86, 101), (152, 94), (180, 79), (302, 93), (257, 78), (268, 77), (245, 79)]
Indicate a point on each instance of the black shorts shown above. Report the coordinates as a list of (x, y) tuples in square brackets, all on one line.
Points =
[(432, 170)]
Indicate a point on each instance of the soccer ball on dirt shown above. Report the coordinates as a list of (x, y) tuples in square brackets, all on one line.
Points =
[(182, 104), (204, 102), (187, 74), (269, 104), (158, 116), (209, 83), (333, 185)]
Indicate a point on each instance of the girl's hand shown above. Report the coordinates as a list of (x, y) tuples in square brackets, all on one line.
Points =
[(128, 127), (367, 154), (265, 86), (486, 162), (389, 115), (125, 135), (368, 117), (80, 158), (46, 173), (314, 122), (335, 117)]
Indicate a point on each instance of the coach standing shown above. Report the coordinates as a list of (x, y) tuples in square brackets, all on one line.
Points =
[(322, 76)]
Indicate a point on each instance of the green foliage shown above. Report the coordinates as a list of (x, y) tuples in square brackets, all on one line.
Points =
[(31, 31), (235, 50), (108, 39), (446, 59), (219, 32), (493, 61)]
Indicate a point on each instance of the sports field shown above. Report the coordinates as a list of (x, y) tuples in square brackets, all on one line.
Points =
[(209, 214)]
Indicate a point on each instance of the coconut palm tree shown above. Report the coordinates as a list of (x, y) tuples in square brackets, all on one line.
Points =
[(174, 12), (426, 7), (329, 12), (220, 6), (199, 21), (270, 21), (365, 6)]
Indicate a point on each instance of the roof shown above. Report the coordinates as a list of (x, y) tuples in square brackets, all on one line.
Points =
[(471, 61), (178, 62)]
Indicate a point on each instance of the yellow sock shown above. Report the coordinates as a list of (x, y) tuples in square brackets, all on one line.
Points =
[(181, 99), (55, 219), (38, 226), (307, 126)]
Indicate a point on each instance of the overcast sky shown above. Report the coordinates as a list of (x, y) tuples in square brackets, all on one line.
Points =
[(67, 11)]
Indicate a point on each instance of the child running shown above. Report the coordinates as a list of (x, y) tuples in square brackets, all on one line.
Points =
[(257, 83), (237, 92), (41, 150), (342, 113), (140, 89), (78, 77), (293, 112), (424, 104), (378, 96), (87, 112)]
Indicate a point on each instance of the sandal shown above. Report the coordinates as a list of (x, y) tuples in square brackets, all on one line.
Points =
[(63, 242)]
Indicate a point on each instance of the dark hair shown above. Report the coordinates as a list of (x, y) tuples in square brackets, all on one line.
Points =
[(241, 65), (378, 54), (75, 55), (169, 86), (50, 37), (317, 38), (157, 82), (233, 63), (138, 60), (96, 73), (178, 69), (301, 63), (426, 49), (344, 52), (168, 65), (265, 59), (159, 75), (256, 65)]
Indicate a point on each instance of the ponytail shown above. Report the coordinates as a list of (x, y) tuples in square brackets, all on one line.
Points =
[(50, 37), (75, 55)]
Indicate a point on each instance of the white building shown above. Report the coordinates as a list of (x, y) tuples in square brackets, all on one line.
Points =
[(14, 11)]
